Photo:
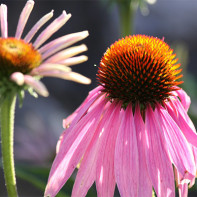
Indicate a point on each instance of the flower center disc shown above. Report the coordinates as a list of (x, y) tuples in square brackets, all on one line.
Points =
[(139, 69), (17, 56)]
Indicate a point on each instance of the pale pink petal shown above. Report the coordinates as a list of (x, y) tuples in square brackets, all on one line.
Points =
[(18, 78), (23, 18), (4, 23), (72, 76), (126, 156), (105, 177), (158, 163), (67, 53), (50, 67), (87, 171), (145, 185), (61, 43), (74, 60), (180, 151), (37, 26), (38, 86), (185, 99), (72, 149), (182, 120), (51, 29)]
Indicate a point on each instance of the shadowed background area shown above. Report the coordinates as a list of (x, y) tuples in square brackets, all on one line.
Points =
[(39, 122)]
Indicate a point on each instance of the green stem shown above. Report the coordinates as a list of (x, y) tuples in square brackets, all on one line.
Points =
[(7, 136), (127, 13)]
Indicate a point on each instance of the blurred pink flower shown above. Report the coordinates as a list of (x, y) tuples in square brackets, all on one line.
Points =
[(28, 62), (133, 137)]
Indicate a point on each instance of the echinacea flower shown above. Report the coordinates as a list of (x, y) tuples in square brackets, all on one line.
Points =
[(133, 130), (24, 62)]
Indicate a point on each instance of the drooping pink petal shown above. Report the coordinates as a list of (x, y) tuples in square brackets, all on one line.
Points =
[(158, 163), (4, 23), (74, 119), (87, 171), (105, 177), (185, 99), (38, 86), (61, 43), (18, 78), (179, 149), (126, 156), (92, 94), (37, 26), (182, 120), (51, 29), (23, 18), (145, 185), (73, 147), (67, 53)]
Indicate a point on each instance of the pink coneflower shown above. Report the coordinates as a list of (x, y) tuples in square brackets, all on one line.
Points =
[(133, 129), (24, 62)]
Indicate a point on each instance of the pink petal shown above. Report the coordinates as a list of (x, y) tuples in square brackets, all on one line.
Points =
[(67, 53), (145, 185), (51, 29), (92, 94), (38, 86), (185, 99), (178, 148), (182, 120), (158, 163), (23, 18), (105, 177), (37, 26), (126, 156), (87, 171), (4, 23), (61, 43), (73, 146), (74, 60), (72, 76)]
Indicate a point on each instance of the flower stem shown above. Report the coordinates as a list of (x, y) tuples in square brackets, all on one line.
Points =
[(7, 136), (127, 11)]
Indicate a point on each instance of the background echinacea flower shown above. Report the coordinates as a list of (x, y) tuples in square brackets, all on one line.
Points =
[(133, 130), (24, 62)]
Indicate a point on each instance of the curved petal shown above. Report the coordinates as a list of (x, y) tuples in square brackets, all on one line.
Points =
[(105, 177), (185, 99), (18, 78), (92, 94), (179, 115), (145, 185), (178, 147), (158, 163), (73, 147), (126, 156)]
